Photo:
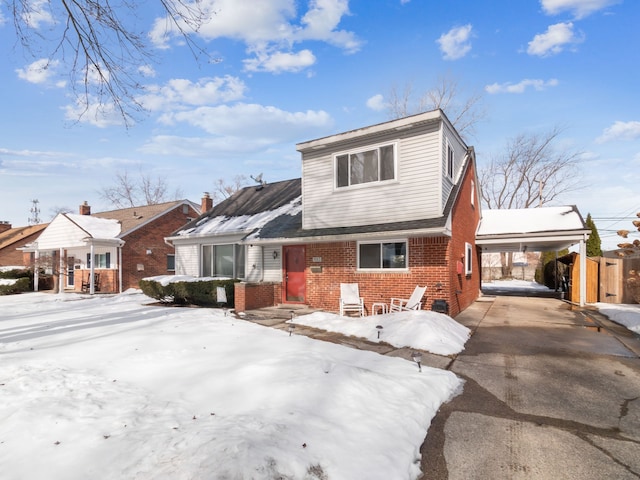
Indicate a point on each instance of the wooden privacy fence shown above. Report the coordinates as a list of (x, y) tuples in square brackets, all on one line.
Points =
[(619, 280)]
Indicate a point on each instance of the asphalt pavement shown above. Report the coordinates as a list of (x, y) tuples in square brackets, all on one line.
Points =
[(551, 391)]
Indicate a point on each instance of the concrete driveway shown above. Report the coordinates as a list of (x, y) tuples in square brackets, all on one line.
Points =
[(551, 392)]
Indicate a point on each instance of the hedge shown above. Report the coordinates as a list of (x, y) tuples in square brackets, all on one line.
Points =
[(202, 293), (22, 284)]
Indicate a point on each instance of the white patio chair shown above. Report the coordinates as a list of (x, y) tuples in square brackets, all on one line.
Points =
[(350, 299), (414, 302)]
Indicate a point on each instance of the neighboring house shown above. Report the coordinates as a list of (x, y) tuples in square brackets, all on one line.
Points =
[(388, 206), (121, 246), (12, 239)]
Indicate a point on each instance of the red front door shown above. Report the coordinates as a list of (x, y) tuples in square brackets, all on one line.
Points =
[(294, 279)]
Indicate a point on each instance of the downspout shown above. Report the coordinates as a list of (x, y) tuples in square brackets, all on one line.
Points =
[(583, 272)]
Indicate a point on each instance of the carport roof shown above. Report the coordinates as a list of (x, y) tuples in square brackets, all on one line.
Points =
[(531, 229)]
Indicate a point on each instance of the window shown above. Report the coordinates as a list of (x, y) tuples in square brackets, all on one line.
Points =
[(223, 261), (382, 255), (101, 260), (450, 160), (468, 259), (473, 193), (171, 262), (367, 166)]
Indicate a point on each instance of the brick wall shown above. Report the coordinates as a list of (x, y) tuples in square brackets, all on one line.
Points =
[(9, 256), (249, 296), (150, 237), (465, 217)]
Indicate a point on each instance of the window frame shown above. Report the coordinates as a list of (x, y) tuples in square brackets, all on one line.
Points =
[(451, 160), (238, 261), (468, 258), (338, 169), (169, 263), (381, 267)]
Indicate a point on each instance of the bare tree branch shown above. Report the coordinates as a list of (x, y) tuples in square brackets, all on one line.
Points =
[(531, 171), (464, 112), (101, 46), (134, 192)]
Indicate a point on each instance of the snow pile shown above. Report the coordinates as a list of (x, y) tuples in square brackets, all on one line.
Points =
[(513, 285), (430, 331), (109, 387), (626, 315), (165, 280)]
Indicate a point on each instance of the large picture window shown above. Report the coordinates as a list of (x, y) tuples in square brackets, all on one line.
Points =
[(223, 261), (382, 255), (366, 166)]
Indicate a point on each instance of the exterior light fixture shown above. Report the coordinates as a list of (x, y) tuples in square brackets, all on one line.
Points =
[(417, 357), (275, 254), (149, 252), (379, 327)]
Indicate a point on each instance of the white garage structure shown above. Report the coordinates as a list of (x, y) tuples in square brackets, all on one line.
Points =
[(543, 229)]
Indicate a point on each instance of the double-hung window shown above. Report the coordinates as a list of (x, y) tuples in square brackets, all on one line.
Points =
[(365, 166), (390, 255), (223, 261), (101, 260)]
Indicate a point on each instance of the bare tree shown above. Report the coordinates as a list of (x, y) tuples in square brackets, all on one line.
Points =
[(532, 171), (145, 189), (100, 45), (56, 209), (224, 189), (465, 112)]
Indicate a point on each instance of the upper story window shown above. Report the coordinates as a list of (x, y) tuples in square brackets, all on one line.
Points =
[(365, 166), (450, 160)]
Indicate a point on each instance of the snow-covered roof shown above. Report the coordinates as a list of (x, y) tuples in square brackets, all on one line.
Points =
[(98, 228), (532, 229)]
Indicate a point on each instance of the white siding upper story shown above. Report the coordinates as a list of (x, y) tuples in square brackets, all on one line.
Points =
[(418, 190)]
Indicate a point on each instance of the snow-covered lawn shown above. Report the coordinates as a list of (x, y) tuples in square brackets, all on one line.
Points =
[(110, 387)]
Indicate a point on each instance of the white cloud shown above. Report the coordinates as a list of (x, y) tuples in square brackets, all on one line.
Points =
[(37, 13), (147, 71), (263, 122), (271, 27), (39, 71), (279, 62), (521, 86), (455, 43), (90, 110), (376, 103), (579, 8), (620, 131), (180, 93), (554, 40)]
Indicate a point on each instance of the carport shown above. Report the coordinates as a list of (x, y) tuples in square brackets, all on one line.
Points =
[(542, 229)]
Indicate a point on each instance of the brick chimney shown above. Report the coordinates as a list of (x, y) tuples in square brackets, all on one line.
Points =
[(85, 209), (207, 202), (4, 226)]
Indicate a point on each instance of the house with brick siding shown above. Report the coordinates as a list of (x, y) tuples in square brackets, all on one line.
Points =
[(112, 251), (12, 239), (388, 206)]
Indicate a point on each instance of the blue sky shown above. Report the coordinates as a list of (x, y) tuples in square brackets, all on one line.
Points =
[(291, 71)]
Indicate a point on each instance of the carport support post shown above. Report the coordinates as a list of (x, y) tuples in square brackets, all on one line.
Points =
[(583, 272)]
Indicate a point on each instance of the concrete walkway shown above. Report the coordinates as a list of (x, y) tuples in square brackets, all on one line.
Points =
[(551, 392)]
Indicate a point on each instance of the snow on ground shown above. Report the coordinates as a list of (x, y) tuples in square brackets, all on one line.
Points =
[(512, 285), (626, 315), (111, 387), (431, 331)]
